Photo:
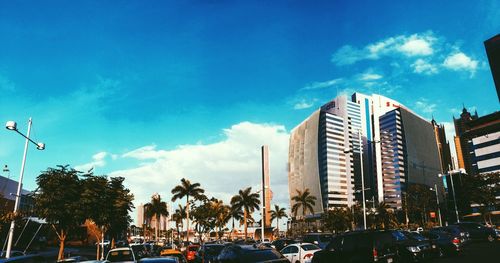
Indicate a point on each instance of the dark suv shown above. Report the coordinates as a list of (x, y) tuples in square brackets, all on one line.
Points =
[(359, 246), (249, 254), (477, 231), (319, 239)]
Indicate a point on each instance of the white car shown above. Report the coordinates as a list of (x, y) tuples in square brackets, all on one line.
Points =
[(122, 254), (300, 252)]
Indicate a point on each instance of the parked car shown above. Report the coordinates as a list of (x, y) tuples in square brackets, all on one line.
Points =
[(448, 245), (279, 244), (456, 232), (191, 252), (359, 246), (421, 248), (319, 239), (208, 253), (123, 254), (235, 253), (173, 253), (160, 260), (478, 231), (300, 252)]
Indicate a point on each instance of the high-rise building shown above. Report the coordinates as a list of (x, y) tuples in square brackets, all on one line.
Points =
[(410, 154), (317, 154), (140, 215), (397, 145), (492, 47)]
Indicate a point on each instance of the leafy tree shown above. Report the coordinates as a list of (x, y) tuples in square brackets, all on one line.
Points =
[(480, 189), (337, 219), (58, 201), (120, 199), (384, 217), (277, 214), (187, 189), (156, 208), (222, 215), (236, 214), (419, 200), (303, 200), (248, 202)]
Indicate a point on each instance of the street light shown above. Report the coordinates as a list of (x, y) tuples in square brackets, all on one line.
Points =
[(437, 200), (450, 173), (12, 125), (362, 177)]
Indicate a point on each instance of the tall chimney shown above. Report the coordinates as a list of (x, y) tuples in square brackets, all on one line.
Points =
[(266, 186)]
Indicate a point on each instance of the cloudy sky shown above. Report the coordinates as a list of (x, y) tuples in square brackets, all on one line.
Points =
[(160, 90)]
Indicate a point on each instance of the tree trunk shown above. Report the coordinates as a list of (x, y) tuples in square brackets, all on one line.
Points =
[(157, 227), (278, 227), (98, 250), (187, 218), (232, 231), (245, 222), (62, 238)]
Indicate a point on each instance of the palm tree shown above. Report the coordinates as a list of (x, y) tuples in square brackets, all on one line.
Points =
[(277, 214), (385, 217), (236, 214), (156, 208), (223, 214), (180, 213), (186, 189), (248, 202), (303, 200)]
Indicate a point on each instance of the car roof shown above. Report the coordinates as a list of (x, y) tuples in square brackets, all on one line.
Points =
[(159, 259), (120, 249)]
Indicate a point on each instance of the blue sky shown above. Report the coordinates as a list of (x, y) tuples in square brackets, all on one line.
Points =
[(160, 90)]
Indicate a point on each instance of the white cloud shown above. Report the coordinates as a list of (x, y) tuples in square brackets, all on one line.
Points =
[(423, 105), (98, 160), (303, 105), (417, 45), (321, 85), (409, 46), (370, 77), (460, 61), (222, 168), (422, 66)]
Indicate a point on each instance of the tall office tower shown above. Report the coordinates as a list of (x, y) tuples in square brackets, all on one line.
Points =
[(492, 46), (409, 154), (372, 107), (462, 146), (303, 169), (443, 146), (266, 186), (317, 157)]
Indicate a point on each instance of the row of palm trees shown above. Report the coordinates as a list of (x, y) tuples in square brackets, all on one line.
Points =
[(211, 213)]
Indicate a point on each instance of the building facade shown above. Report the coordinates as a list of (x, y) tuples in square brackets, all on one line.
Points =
[(397, 146), (492, 47)]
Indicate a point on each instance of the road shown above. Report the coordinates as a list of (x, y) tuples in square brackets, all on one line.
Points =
[(476, 253)]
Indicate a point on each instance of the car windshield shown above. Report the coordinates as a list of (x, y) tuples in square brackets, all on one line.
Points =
[(119, 256), (416, 236), (261, 255), (399, 236), (309, 247), (325, 238)]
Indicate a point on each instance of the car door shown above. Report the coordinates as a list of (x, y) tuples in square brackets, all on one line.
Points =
[(291, 253)]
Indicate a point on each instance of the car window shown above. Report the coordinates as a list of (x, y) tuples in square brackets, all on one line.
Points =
[(309, 247), (117, 256), (399, 236), (261, 255), (294, 249), (325, 238), (286, 250)]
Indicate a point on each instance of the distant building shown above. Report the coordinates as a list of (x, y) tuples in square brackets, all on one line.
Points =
[(443, 146), (480, 144), (492, 47), (8, 190), (140, 215), (266, 183), (462, 146)]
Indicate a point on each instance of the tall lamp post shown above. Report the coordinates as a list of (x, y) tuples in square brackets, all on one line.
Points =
[(450, 173), (12, 125), (437, 200)]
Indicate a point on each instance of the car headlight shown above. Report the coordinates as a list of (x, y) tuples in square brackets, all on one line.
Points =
[(413, 249), (433, 246)]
